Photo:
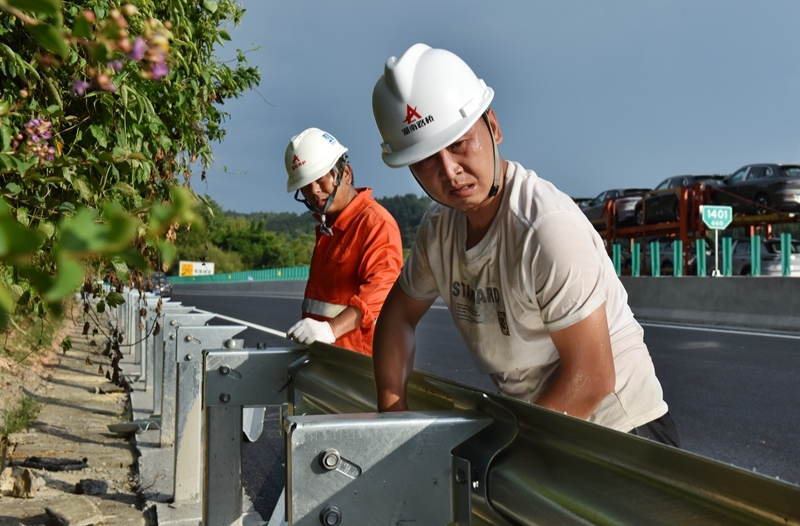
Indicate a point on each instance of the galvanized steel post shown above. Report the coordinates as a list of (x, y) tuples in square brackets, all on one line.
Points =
[(188, 462), (231, 381)]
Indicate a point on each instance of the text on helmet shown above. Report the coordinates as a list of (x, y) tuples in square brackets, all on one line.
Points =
[(414, 120), (297, 163)]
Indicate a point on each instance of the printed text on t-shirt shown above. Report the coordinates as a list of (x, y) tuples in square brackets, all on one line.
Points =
[(477, 296)]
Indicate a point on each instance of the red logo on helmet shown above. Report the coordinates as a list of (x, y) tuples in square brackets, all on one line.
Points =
[(411, 114), (297, 163)]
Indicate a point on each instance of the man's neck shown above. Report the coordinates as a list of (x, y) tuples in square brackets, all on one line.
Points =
[(479, 221)]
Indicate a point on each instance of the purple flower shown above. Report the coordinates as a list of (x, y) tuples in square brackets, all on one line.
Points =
[(79, 87), (138, 49), (159, 70), (116, 65)]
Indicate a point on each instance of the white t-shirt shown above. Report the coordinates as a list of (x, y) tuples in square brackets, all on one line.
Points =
[(541, 267)]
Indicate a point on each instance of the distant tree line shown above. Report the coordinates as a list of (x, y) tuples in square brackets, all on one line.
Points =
[(234, 241)]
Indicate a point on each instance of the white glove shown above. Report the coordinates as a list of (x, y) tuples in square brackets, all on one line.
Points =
[(308, 331)]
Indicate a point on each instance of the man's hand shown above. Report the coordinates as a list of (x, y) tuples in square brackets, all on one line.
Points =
[(308, 331)]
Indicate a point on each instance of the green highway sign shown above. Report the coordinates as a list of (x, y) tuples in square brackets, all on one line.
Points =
[(716, 217)]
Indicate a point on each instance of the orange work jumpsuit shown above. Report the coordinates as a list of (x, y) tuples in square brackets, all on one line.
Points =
[(355, 267)]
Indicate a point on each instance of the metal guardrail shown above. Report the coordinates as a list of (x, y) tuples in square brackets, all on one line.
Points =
[(519, 463), (271, 274), (462, 455)]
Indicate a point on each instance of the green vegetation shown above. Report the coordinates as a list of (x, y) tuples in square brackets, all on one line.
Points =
[(20, 417), (261, 240), (104, 110)]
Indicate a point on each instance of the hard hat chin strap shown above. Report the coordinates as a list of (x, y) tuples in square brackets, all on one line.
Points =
[(496, 183), (323, 228)]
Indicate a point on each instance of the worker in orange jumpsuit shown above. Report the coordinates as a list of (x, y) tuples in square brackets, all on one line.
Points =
[(358, 253)]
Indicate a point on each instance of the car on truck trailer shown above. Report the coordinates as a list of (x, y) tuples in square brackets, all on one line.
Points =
[(761, 189), (662, 205)]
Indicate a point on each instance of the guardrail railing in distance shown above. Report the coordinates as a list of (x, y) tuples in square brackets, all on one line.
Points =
[(170, 376), (188, 455), (233, 380)]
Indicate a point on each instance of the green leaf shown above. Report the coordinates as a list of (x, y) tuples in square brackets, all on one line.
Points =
[(114, 299), (224, 35), (69, 277), (49, 38), (66, 344), (47, 228), (5, 138), (82, 28), (23, 217), (13, 188), (101, 306), (125, 189), (6, 301), (82, 187), (99, 135), (123, 95), (24, 298), (45, 7), (211, 5), (121, 269), (15, 240)]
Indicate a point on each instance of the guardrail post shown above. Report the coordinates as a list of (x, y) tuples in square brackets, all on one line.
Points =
[(616, 257), (636, 259), (170, 377), (188, 464), (755, 255), (677, 257), (701, 257), (379, 468), (786, 254), (655, 258), (231, 381), (727, 256), (157, 346)]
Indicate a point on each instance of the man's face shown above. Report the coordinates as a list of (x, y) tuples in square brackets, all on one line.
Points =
[(461, 175), (318, 192)]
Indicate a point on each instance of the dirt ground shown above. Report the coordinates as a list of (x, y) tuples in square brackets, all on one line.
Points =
[(78, 404)]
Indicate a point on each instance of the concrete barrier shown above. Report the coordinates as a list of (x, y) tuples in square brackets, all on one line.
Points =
[(746, 302), (743, 302)]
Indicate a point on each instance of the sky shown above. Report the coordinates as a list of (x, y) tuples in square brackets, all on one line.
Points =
[(590, 94)]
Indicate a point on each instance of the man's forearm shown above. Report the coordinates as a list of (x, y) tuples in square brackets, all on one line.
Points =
[(347, 320), (393, 355)]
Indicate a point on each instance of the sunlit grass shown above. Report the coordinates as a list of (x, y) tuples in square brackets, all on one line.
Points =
[(20, 417)]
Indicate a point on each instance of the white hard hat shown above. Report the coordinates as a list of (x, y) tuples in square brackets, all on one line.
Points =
[(425, 100), (309, 156)]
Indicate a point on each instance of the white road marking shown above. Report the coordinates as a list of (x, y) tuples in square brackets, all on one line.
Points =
[(726, 331)]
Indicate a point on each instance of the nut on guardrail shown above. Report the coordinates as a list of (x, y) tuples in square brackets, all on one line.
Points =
[(330, 516), (329, 459)]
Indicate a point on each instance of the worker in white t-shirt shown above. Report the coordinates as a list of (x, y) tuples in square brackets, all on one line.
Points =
[(524, 274)]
